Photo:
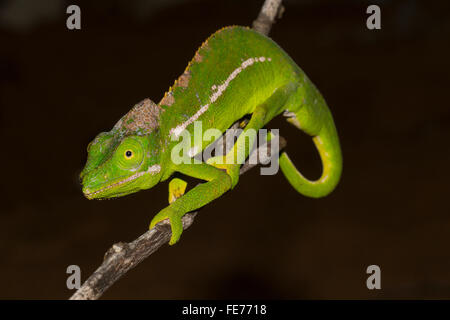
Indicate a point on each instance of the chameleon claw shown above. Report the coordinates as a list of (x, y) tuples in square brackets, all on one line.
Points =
[(177, 229)]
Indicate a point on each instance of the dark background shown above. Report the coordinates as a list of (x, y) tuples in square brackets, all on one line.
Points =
[(387, 89)]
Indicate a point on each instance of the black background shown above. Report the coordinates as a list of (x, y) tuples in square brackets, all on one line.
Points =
[(387, 89)]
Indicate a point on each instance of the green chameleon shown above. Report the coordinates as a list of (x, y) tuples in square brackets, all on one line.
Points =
[(235, 73)]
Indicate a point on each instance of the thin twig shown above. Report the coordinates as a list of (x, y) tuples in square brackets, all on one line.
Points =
[(122, 257), (270, 10)]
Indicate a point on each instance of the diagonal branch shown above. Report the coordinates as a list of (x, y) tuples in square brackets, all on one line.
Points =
[(122, 257)]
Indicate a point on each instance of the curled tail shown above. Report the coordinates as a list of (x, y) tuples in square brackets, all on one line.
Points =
[(317, 121)]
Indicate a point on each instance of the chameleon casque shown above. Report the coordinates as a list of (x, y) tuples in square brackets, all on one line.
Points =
[(235, 73)]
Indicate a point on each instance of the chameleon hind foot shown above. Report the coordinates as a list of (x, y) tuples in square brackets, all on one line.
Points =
[(176, 225), (177, 187), (231, 168)]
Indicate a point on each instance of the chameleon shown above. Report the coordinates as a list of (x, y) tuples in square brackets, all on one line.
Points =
[(237, 72)]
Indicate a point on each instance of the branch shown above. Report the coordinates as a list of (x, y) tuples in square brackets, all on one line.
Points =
[(122, 257), (267, 16)]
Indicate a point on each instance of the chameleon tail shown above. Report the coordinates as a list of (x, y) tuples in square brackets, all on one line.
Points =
[(318, 122)]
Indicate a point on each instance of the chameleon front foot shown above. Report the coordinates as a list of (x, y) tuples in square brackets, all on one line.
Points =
[(176, 225)]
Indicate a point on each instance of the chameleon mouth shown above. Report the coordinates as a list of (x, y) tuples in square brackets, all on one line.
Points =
[(92, 194)]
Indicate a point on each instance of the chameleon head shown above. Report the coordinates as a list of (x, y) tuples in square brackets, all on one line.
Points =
[(126, 159), (120, 165)]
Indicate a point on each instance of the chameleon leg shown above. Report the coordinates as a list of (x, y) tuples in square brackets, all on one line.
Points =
[(260, 116), (177, 187), (240, 151), (218, 183)]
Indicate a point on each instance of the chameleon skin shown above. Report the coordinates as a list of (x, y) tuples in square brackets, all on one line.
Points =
[(236, 72)]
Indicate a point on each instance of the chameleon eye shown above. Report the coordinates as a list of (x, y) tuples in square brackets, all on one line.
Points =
[(128, 154)]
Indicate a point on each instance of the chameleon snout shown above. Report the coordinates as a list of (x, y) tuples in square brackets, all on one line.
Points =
[(87, 192), (88, 185)]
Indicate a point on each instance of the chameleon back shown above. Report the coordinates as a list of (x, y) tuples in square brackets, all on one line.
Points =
[(233, 71)]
